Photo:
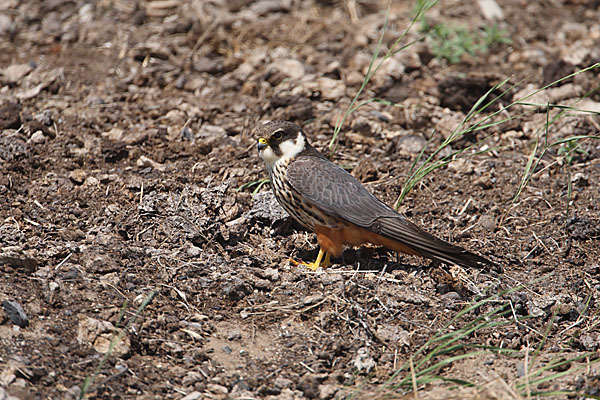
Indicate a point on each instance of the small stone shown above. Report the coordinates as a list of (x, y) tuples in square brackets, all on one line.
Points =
[(266, 209), (234, 335), (589, 343), (10, 117), (483, 182), (391, 68), (365, 127), (262, 284), (562, 309), (363, 360), (461, 166), (91, 181), (236, 289), (282, 383), (115, 134), (193, 396), (491, 10), (144, 161), (7, 26), (330, 89), (520, 369), (16, 313), (191, 378), (410, 144), (487, 222), (264, 7), (354, 78), (101, 264), (271, 274), (37, 138), (15, 72), (453, 296), (77, 176), (45, 117), (393, 334), (99, 335), (208, 131), (309, 385), (312, 299), (208, 65), (580, 179), (327, 391), (290, 67)]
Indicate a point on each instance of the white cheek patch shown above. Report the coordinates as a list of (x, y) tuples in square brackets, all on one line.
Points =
[(268, 156), (291, 148)]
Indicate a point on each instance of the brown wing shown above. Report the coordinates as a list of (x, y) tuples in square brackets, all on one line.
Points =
[(337, 193)]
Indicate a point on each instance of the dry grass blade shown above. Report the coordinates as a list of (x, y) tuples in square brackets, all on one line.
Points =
[(445, 345), (87, 383), (373, 67)]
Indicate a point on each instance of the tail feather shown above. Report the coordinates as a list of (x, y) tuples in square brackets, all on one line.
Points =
[(425, 244)]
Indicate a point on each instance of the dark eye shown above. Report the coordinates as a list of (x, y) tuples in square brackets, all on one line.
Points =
[(277, 135)]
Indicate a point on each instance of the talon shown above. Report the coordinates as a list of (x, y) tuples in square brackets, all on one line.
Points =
[(319, 262)]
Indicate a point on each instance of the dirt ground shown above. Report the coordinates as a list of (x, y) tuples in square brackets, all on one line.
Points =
[(126, 138)]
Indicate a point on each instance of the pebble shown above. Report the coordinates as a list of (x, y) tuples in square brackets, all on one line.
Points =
[(282, 383), (312, 299), (45, 117), (290, 67), (363, 361), (236, 289), (37, 138), (487, 222), (145, 162), (491, 10), (393, 334), (234, 335), (271, 274), (265, 208), (330, 89), (327, 391), (193, 396), (208, 65), (410, 144), (391, 68), (520, 369), (6, 25), (16, 313), (461, 166), (589, 343), (191, 378), (452, 296), (99, 335), (262, 284), (14, 73), (484, 182)]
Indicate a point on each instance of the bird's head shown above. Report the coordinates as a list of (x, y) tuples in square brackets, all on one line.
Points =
[(280, 140)]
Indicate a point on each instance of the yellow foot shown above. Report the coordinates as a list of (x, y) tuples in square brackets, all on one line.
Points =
[(319, 262)]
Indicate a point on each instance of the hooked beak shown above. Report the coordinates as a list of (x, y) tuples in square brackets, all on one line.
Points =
[(262, 144)]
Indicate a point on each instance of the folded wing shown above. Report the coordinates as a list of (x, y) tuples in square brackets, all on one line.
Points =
[(333, 190)]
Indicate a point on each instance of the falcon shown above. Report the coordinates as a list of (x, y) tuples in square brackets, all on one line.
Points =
[(329, 201)]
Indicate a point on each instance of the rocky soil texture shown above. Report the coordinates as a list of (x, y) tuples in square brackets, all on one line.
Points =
[(128, 167)]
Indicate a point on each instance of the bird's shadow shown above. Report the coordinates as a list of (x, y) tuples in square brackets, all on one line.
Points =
[(367, 259)]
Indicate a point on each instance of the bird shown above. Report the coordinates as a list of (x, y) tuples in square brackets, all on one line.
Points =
[(332, 203)]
